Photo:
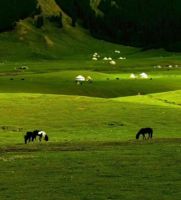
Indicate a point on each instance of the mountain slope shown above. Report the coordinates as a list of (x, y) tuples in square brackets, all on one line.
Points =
[(27, 42), (147, 24)]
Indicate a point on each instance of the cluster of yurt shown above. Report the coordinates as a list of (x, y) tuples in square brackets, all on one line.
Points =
[(95, 56), (110, 60), (143, 75), (81, 79)]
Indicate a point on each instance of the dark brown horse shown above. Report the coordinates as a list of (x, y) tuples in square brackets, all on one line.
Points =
[(144, 132)]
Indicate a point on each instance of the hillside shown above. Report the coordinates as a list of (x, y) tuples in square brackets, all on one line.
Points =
[(27, 42), (147, 24), (44, 31), (51, 42)]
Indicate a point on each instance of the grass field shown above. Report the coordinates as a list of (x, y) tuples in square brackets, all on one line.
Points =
[(92, 152), (148, 170)]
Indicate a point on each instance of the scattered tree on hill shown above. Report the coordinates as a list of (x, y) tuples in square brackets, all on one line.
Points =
[(56, 19), (38, 21)]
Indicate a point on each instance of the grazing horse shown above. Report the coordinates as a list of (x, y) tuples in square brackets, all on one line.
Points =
[(41, 135), (143, 132), (31, 136)]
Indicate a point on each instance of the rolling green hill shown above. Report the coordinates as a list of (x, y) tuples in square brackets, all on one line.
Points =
[(55, 56), (49, 42), (92, 153)]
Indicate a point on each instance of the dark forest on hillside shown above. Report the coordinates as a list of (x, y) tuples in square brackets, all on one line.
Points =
[(142, 23)]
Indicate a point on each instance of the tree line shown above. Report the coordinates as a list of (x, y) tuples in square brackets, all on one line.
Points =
[(143, 23)]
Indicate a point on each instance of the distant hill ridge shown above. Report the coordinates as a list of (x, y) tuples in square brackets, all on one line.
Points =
[(49, 7)]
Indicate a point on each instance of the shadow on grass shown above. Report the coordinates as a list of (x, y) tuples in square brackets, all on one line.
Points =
[(87, 146)]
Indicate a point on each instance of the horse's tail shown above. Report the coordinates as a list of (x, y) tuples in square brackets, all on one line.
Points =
[(151, 132), (25, 138)]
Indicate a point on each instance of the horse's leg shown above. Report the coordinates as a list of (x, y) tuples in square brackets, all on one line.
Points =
[(25, 138), (40, 137), (144, 138), (29, 139), (33, 138), (150, 135)]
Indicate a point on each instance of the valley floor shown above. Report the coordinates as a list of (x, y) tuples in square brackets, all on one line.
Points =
[(92, 170), (92, 152)]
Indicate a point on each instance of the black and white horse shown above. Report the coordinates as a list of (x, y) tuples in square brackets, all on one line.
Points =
[(144, 132), (42, 134), (31, 136)]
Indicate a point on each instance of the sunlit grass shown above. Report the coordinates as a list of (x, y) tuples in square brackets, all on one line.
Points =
[(92, 152)]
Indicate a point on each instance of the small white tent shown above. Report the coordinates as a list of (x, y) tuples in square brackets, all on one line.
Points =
[(112, 62), (105, 58), (132, 76), (79, 79), (94, 58), (144, 75)]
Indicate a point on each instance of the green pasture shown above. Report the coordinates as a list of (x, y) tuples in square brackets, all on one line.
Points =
[(148, 170), (54, 79), (92, 153), (76, 118)]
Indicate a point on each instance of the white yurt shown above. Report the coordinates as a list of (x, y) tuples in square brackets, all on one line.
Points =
[(79, 79), (144, 75), (94, 58), (112, 62), (132, 76)]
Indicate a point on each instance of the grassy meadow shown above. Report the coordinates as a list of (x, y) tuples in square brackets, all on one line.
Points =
[(92, 152)]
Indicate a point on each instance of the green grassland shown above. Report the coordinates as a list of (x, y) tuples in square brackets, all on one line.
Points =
[(98, 171), (92, 152)]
